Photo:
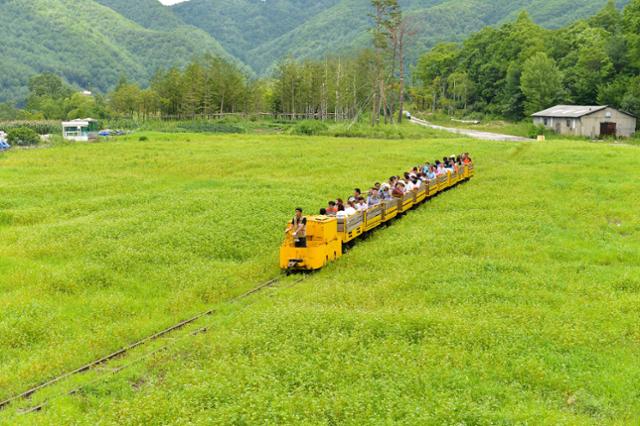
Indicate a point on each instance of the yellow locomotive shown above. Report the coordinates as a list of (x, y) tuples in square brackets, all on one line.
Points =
[(326, 236)]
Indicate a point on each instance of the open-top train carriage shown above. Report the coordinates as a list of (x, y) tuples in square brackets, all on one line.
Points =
[(327, 236)]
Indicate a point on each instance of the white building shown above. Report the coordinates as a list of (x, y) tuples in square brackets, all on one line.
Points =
[(80, 130), (589, 121)]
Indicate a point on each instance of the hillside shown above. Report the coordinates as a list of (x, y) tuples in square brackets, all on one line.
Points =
[(263, 32), (90, 44)]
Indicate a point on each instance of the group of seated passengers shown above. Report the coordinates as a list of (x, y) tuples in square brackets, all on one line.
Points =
[(396, 187)]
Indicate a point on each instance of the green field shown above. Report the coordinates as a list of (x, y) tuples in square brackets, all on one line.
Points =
[(514, 298)]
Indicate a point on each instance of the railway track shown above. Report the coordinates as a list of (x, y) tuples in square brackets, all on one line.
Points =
[(123, 351)]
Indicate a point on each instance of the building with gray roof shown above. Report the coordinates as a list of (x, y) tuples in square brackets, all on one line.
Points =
[(588, 121)]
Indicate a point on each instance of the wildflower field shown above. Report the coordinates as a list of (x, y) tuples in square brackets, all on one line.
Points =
[(514, 298)]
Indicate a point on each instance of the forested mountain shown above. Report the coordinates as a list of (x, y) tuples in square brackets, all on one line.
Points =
[(262, 32), (90, 44)]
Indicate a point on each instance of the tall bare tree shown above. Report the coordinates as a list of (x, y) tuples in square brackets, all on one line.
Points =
[(387, 17)]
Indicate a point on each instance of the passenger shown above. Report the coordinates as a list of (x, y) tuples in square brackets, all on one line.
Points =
[(350, 209), (398, 190), (374, 197), (357, 193), (441, 170), (339, 204), (361, 205), (431, 174), (298, 229), (332, 209), (377, 186), (385, 192), (323, 212), (393, 180), (408, 185), (426, 168)]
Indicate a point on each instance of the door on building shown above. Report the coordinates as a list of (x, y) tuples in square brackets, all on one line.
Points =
[(608, 129)]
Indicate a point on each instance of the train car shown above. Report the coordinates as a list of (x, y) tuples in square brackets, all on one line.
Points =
[(462, 174), (351, 227), (453, 178), (390, 210), (442, 182), (323, 246), (432, 188), (405, 203), (373, 217), (420, 194)]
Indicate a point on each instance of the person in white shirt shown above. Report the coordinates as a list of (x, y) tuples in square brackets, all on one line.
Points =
[(408, 186), (361, 205), (350, 209)]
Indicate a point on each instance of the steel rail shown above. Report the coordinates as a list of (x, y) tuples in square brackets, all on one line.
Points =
[(120, 352)]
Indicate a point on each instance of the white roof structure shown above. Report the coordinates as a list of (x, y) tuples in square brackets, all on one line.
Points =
[(569, 111), (78, 122)]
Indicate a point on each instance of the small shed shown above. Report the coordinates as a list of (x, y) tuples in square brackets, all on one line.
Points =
[(80, 130), (588, 121)]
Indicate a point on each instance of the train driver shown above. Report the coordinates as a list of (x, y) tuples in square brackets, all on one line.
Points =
[(298, 229)]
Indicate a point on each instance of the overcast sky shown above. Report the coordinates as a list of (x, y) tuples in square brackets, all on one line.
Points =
[(171, 1)]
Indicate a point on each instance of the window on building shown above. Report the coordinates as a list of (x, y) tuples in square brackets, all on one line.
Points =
[(546, 122), (569, 123)]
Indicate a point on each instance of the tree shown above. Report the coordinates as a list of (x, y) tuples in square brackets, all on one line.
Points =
[(541, 83), (387, 17), (23, 136), (434, 68), (631, 28), (631, 100), (125, 99), (48, 85), (8, 112)]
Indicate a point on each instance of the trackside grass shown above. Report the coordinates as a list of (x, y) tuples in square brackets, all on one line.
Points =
[(514, 298)]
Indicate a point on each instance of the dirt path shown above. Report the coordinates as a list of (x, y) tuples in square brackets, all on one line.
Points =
[(473, 133)]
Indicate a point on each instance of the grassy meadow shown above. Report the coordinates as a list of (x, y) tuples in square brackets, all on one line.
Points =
[(514, 298)]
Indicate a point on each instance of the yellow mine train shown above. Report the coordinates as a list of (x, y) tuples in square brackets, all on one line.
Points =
[(327, 236)]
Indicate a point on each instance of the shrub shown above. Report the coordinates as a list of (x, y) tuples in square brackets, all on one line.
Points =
[(143, 138), (535, 131), (23, 136), (309, 128)]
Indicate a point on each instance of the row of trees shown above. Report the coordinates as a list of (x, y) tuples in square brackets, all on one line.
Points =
[(519, 68)]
